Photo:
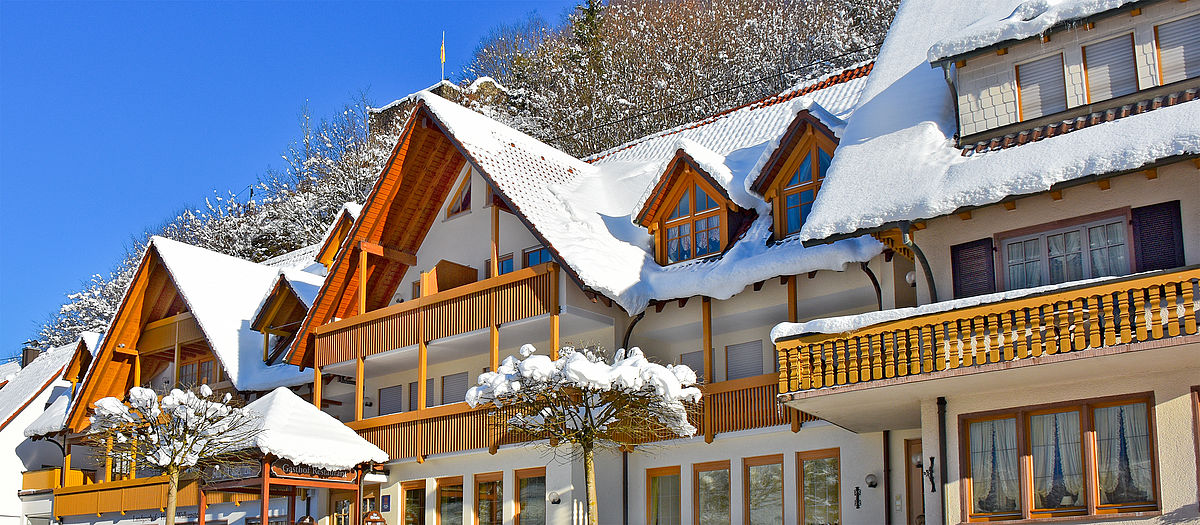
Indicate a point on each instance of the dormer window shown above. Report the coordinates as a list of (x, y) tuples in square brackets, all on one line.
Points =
[(693, 229), (462, 199), (793, 174), (800, 190)]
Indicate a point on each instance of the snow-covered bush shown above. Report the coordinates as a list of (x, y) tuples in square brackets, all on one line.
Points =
[(581, 399)]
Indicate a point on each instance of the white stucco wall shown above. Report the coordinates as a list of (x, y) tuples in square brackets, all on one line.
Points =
[(19, 454)]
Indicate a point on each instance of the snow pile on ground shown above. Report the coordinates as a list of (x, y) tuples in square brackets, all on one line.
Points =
[(582, 371), (1026, 19), (897, 160), (224, 293), (293, 429), (584, 210), (850, 323), (30, 381)]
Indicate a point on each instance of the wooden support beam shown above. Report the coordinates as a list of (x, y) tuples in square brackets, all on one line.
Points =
[(1010, 205), (706, 344), (318, 383), (682, 302), (265, 495), (1152, 173), (495, 263), (422, 373), (1104, 184), (791, 299), (175, 363), (201, 506), (137, 369), (812, 274), (108, 463), (658, 306), (1056, 195), (362, 282), (358, 387), (266, 345), (966, 215), (554, 311), (758, 285), (387, 252)]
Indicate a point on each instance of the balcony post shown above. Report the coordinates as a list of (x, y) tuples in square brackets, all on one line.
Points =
[(66, 478), (201, 505), (317, 384), (175, 363), (422, 359), (108, 464), (791, 299), (554, 308), (362, 281), (493, 330), (358, 387), (495, 262), (137, 369), (706, 325), (265, 504)]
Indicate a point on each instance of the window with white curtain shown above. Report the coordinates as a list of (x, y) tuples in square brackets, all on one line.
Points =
[(1042, 87), (1061, 472), (1096, 249), (1110, 68), (1178, 49), (664, 505)]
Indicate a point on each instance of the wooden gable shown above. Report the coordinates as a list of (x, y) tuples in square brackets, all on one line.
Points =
[(335, 239), (150, 325), (281, 315), (807, 139)]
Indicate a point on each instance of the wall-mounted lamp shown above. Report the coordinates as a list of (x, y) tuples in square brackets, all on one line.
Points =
[(916, 460), (872, 481), (554, 499)]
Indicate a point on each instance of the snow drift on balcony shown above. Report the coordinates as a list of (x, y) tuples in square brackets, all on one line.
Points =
[(295, 430), (897, 160), (1026, 19), (583, 210), (224, 293)]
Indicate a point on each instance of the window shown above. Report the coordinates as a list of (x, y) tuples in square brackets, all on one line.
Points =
[(450, 501), (1095, 249), (744, 360), (1044, 450), (206, 372), (391, 400), (662, 496), (413, 501), (416, 289), (413, 394), (187, 374), (695, 361), (1109, 68), (504, 263), (1178, 49), (1041, 87), (341, 511), (462, 198), (530, 496), (454, 388), (800, 190), (711, 485), (693, 228), (820, 480), (536, 255), (489, 503), (762, 479)]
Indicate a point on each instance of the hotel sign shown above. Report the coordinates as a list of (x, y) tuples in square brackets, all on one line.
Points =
[(286, 469)]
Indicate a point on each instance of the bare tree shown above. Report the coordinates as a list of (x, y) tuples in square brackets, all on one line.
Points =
[(187, 432), (585, 402)]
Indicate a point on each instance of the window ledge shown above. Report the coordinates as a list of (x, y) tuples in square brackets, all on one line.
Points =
[(1089, 518)]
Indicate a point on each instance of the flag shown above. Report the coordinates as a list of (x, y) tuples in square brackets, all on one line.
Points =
[(443, 47)]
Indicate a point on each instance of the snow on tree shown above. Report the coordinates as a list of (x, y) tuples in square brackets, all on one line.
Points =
[(187, 432), (584, 401)]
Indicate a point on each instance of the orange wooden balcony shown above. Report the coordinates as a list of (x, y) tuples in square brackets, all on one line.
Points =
[(51, 478), (1134, 309), (132, 494), (516, 295), (727, 406)]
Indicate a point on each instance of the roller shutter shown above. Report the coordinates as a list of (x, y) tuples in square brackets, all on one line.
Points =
[(1042, 87), (744, 360), (1179, 49), (973, 267), (391, 400), (1111, 70), (1158, 236)]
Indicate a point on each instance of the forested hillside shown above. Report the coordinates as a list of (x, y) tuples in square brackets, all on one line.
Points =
[(607, 73)]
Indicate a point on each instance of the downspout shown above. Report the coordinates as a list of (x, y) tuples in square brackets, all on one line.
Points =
[(949, 70), (625, 453), (887, 473), (874, 282), (941, 408), (906, 229), (629, 329)]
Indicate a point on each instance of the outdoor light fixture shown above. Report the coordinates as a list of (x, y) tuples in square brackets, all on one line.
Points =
[(872, 481), (554, 499), (916, 460)]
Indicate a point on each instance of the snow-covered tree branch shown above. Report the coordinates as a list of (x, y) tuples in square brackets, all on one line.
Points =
[(582, 400)]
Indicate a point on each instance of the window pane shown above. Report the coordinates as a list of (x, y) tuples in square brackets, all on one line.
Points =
[(703, 201), (806, 199), (1123, 454), (823, 161), (792, 206), (1066, 259), (712, 492), (994, 474), (821, 505), (765, 494), (414, 506), (682, 208), (1107, 250), (488, 503), (664, 500), (1057, 463), (533, 500), (804, 172), (450, 504)]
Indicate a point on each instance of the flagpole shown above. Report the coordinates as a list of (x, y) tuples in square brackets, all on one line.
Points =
[(443, 77)]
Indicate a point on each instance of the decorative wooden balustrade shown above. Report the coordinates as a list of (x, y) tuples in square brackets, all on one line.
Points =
[(510, 297), (1134, 309), (133, 494), (741, 404)]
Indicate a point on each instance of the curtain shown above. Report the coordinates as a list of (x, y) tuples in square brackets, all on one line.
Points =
[(994, 467), (1057, 461), (1123, 454), (665, 504)]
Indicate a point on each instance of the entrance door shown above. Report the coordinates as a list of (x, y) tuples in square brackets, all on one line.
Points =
[(914, 481)]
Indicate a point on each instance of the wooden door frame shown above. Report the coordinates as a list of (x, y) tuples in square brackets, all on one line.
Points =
[(908, 481)]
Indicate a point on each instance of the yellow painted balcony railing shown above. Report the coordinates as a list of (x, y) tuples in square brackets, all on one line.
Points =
[(132, 494), (516, 295), (740, 404), (51, 478), (1139, 308)]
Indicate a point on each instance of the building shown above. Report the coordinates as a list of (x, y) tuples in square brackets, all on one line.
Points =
[(1043, 172)]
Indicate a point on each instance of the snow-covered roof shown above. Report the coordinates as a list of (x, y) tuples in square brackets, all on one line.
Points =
[(32, 380), (1016, 20), (8, 369), (298, 258), (52, 420), (224, 293), (413, 97), (304, 284), (583, 210), (850, 323), (898, 162), (296, 430)]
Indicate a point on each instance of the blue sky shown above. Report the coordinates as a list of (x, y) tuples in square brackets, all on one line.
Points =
[(114, 116)]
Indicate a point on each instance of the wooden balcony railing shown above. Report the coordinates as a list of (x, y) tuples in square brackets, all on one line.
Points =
[(741, 404), (510, 297), (1138, 308), (51, 478), (133, 494)]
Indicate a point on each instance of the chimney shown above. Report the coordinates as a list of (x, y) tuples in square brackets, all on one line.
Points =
[(28, 354)]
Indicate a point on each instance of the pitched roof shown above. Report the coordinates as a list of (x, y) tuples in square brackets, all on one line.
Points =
[(296, 430), (906, 125), (32, 380)]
